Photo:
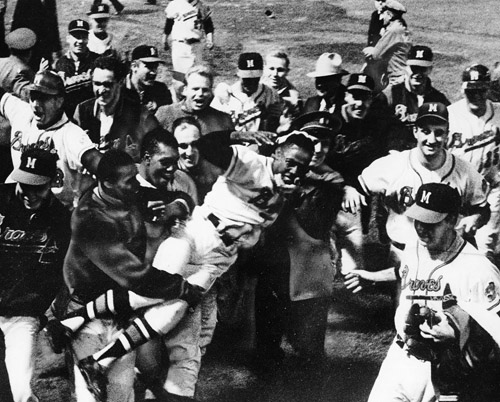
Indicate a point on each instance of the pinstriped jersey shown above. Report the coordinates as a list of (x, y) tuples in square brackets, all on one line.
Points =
[(476, 139), (188, 19), (399, 175), (471, 277)]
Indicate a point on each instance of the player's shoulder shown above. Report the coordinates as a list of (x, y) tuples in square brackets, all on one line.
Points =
[(457, 108)]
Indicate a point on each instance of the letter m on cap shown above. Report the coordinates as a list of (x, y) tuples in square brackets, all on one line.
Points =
[(474, 75), (362, 79), (425, 197), (433, 107), (419, 54), (30, 162), (250, 63)]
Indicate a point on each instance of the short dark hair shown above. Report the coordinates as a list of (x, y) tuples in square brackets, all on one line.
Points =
[(186, 120), (299, 140), (155, 137), (110, 63), (110, 163)]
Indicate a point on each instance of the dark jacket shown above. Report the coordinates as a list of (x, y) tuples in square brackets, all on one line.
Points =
[(151, 98), (128, 128), (107, 251), (32, 250), (313, 103)]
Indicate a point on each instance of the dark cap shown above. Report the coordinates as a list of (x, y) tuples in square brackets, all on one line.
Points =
[(78, 26), (434, 110), (250, 65), (360, 81), (99, 11), (21, 39), (146, 53), (434, 202), (420, 56), (38, 166), (394, 5), (48, 82), (476, 76), (321, 125)]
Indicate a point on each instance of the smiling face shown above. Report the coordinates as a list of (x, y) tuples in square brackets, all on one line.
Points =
[(187, 135), (198, 92), (105, 86), (161, 166), (31, 196), (275, 72), (431, 135), (47, 109), (358, 103), (125, 187), (418, 78), (436, 237), (144, 74), (292, 162), (77, 42)]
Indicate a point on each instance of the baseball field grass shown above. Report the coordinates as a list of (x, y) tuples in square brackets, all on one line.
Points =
[(460, 32)]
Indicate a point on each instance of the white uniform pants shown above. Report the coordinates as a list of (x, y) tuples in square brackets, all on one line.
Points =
[(185, 56), (487, 236), (20, 339), (403, 377)]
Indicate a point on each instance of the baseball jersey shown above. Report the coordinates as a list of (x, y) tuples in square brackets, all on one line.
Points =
[(68, 140), (471, 277), (248, 112), (209, 257), (188, 19), (399, 175), (246, 192), (97, 45), (476, 139)]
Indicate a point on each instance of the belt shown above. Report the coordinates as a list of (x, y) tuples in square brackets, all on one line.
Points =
[(189, 41)]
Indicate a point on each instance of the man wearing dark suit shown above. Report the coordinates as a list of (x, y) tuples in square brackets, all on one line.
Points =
[(110, 120)]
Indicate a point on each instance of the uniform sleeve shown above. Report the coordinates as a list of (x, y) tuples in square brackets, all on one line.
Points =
[(375, 178), (14, 109), (75, 142), (477, 190), (171, 11)]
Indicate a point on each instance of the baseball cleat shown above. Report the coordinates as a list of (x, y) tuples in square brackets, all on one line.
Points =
[(95, 377)]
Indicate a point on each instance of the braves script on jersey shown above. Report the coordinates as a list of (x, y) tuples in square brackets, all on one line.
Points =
[(398, 177)]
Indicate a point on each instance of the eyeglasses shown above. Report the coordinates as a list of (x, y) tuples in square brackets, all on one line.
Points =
[(105, 84)]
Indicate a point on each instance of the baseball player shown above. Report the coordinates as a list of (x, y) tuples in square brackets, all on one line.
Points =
[(398, 176), (252, 105), (436, 268), (242, 201), (187, 21), (99, 37), (34, 237), (474, 136)]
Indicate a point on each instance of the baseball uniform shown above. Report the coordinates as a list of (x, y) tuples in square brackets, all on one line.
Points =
[(476, 140), (399, 175)]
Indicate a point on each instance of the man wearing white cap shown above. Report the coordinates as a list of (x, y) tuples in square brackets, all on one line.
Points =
[(252, 105), (328, 82), (34, 237), (386, 61), (438, 270)]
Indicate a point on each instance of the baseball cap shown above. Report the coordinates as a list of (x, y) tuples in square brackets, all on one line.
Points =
[(48, 82), (394, 5), (328, 64), (146, 53), (360, 81), (420, 56), (38, 166), (476, 76), (434, 202), (250, 65), (432, 110), (78, 26), (99, 11), (321, 125), (21, 39)]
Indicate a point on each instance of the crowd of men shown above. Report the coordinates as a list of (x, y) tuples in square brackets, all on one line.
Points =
[(124, 201)]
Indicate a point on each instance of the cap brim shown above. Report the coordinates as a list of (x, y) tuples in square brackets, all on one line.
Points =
[(151, 60), (475, 85), (74, 30), (360, 87), (23, 177), (43, 90), (420, 63), (315, 74), (424, 215), (431, 117), (99, 15), (250, 73)]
